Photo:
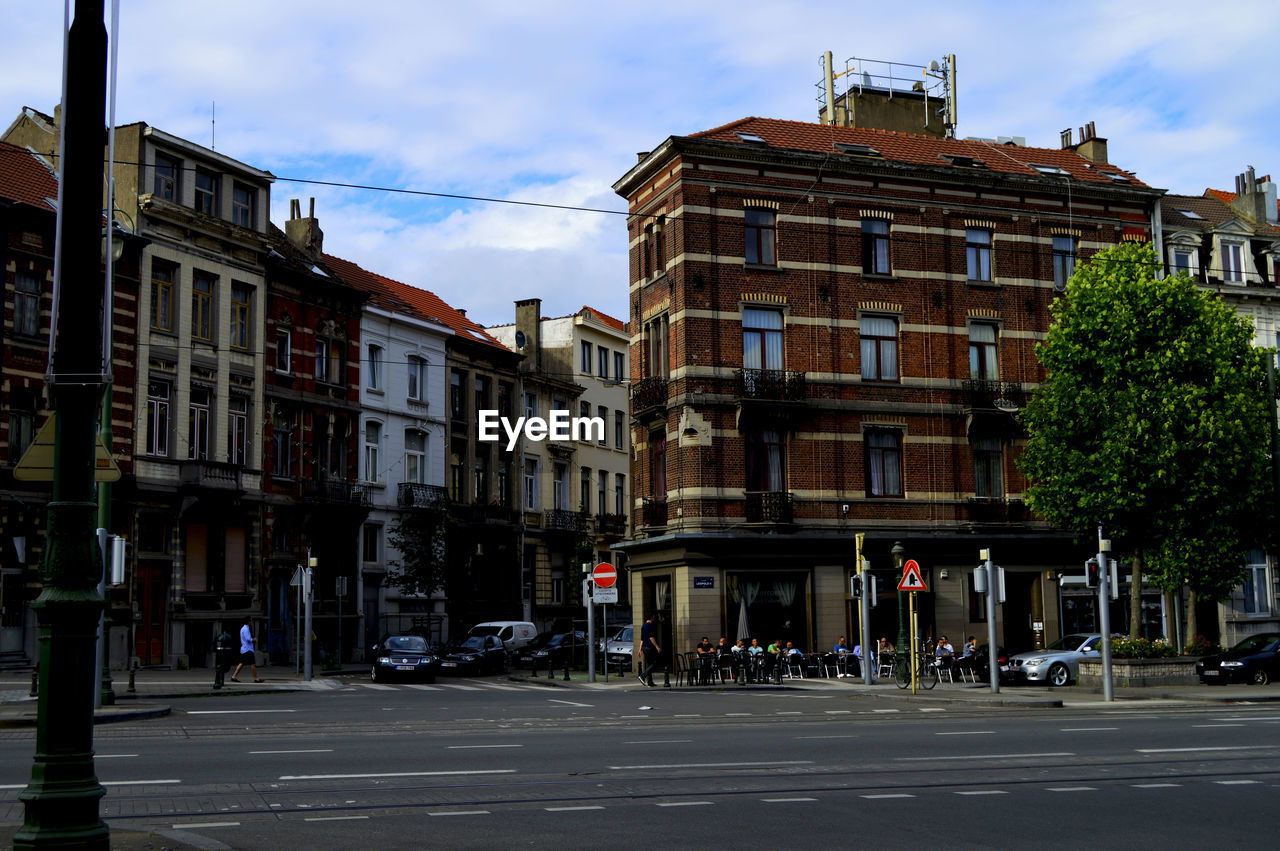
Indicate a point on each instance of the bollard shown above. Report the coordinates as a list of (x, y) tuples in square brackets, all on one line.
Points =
[(666, 677), (133, 688), (566, 668), (35, 683)]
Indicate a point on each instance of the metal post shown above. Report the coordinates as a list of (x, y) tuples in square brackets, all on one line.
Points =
[(1104, 612), (899, 560), (297, 627), (342, 590), (993, 655), (307, 595), (915, 657), (61, 801), (870, 654), (591, 628)]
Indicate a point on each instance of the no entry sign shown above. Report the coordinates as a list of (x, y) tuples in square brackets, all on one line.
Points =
[(604, 575)]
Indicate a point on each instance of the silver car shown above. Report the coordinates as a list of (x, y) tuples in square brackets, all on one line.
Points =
[(619, 649), (1059, 663)]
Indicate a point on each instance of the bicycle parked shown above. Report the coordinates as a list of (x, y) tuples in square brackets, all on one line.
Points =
[(926, 669)]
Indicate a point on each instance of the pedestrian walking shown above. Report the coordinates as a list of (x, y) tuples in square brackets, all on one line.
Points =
[(246, 652), (649, 646)]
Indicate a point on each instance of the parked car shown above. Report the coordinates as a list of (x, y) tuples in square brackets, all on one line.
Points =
[(514, 634), (1255, 660), (553, 649), (404, 656), (474, 654), (1059, 663), (619, 649)]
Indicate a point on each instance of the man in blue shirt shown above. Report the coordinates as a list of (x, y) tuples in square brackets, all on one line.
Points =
[(246, 652)]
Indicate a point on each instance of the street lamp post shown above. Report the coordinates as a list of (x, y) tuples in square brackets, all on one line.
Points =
[(899, 560), (61, 801)]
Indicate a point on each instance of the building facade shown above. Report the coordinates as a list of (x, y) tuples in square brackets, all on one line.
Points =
[(832, 329)]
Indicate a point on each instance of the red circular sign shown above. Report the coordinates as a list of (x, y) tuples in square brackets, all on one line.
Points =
[(604, 575)]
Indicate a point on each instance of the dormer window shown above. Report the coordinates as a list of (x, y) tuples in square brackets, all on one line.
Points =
[(963, 161), (752, 138), (1115, 178), (857, 150), (1049, 169), (1232, 262), (206, 199), (1190, 214)]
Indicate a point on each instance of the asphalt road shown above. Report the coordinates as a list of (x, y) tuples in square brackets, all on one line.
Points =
[(490, 763)]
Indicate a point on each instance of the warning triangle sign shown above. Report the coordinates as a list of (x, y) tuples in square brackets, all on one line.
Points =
[(36, 464), (911, 580)]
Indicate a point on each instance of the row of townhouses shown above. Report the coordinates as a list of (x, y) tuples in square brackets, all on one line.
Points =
[(275, 406), (831, 329)]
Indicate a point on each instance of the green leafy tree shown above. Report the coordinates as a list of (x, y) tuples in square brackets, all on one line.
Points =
[(422, 536), (1152, 421)]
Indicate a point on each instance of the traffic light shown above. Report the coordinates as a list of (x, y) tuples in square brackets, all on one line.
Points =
[(1091, 573), (855, 586)]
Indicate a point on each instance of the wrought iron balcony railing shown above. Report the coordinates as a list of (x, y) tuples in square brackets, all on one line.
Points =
[(653, 512), (337, 492), (562, 520), (769, 507), (1006, 396), (648, 393), (412, 495), (994, 509), (611, 524), (777, 385)]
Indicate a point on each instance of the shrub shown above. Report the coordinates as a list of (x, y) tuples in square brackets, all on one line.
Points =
[(1200, 646), (1141, 648)]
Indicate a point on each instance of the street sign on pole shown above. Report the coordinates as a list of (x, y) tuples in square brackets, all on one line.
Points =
[(605, 595), (604, 575), (911, 579)]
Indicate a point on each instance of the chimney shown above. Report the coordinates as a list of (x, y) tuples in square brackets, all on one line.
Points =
[(462, 311), (304, 234), (1255, 199), (529, 329), (641, 155), (1092, 146), (1066, 139)]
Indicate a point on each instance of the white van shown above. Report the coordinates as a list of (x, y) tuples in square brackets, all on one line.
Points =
[(514, 634)]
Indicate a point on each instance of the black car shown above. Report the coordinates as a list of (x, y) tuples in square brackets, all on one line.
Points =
[(474, 654), (1256, 661), (554, 649), (404, 656)]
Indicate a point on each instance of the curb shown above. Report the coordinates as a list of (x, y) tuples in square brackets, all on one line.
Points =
[(28, 719)]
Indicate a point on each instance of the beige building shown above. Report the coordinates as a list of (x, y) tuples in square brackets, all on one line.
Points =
[(577, 493)]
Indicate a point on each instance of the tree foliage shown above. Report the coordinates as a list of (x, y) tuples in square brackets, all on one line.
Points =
[(1153, 421), (422, 537)]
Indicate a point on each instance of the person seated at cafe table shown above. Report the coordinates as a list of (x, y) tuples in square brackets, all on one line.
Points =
[(944, 653), (706, 659), (756, 657)]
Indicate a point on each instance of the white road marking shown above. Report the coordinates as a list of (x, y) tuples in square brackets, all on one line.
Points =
[(460, 687), (884, 711), (792, 712), (660, 742), (236, 711), (113, 755), (737, 715), (696, 715), (204, 824), (1073, 788), (311, 750), (686, 804), (837, 712), (1086, 729), (1236, 782), (501, 687), (984, 792), (826, 737), (137, 782), (887, 795), (392, 774), (375, 686), (569, 702), (335, 818), (709, 765), (570, 809), (461, 813), (1156, 785), (968, 733), (422, 687), (478, 747), (981, 756), (633, 716), (1196, 750), (1213, 726), (932, 709), (787, 800)]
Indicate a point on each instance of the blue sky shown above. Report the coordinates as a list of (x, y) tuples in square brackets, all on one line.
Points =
[(551, 101)]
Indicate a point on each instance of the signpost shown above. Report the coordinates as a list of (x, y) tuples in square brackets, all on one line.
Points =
[(912, 581)]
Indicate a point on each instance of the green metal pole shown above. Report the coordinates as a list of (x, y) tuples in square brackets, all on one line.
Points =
[(61, 801), (899, 559), (106, 689)]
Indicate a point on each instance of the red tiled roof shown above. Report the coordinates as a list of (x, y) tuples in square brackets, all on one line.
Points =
[(396, 295), (913, 148), (25, 178), (615, 324), (1222, 195)]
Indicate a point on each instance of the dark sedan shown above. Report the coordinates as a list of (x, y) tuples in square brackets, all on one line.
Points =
[(554, 649), (474, 654), (404, 656), (1256, 661)]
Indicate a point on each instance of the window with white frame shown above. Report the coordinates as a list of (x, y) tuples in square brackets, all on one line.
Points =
[(241, 299), (884, 462), (530, 405), (983, 362), (531, 496), (586, 357), (283, 359), (1256, 588), (415, 457), (759, 234), (372, 448), (875, 247), (238, 429), (1232, 262), (242, 204), (988, 468), (198, 446), (977, 248), (1064, 260), (878, 337), (168, 177), (761, 338), (202, 306), (373, 368), (206, 198), (283, 424), (1182, 262), (602, 360), (162, 280), (158, 418), (417, 379), (560, 486), (619, 366)]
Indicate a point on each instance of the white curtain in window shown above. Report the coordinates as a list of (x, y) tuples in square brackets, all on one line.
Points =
[(786, 591), (662, 594)]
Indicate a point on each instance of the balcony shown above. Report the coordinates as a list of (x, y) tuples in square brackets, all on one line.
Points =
[(771, 385), (653, 512), (769, 507), (649, 395), (562, 520), (611, 524), (1007, 396), (337, 493), (411, 495), (210, 475), (479, 515), (994, 509)]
